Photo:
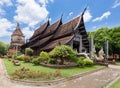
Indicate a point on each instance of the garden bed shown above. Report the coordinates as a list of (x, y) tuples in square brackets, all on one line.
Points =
[(65, 72)]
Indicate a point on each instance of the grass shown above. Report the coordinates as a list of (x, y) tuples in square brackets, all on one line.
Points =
[(118, 63), (116, 84), (66, 72)]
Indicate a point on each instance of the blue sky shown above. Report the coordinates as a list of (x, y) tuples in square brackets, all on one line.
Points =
[(31, 13)]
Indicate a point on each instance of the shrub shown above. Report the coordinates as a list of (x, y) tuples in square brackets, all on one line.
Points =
[(27, 58), (82, 58), (29, 51), (21, 57), (19, 53), (74, 58), (44, 57), (63, 52), (51, 61), (36, 61), (88, 62), (81, 62), (14, 56), (9, 56)]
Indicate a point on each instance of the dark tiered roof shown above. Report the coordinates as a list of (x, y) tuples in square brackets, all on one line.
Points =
[(40, 30), (48, 36)]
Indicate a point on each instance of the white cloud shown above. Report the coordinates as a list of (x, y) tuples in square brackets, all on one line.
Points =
[(5, 25), (6, 2), (71, 13), (116, 4), (87, 16), (27, 32), (30, 12), (2, 12), (44, 2), (105, 15)]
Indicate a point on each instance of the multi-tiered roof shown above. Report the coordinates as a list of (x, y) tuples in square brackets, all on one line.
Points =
[(47, 36)]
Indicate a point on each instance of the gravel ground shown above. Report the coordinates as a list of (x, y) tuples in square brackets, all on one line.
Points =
[(94, 80)]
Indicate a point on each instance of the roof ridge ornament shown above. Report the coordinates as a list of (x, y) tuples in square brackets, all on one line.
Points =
[(84, 10), (18, 25), (61, 15)]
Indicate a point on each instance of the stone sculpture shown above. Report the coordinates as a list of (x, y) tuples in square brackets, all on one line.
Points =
[(100, 55)]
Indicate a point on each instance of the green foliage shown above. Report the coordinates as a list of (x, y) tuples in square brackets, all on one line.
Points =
[(115, 40), (29, 51), (44, 56), (51, 61), (112, 35), (73, 58), (64, 72), (88, 62), (3, 48), (36, 61), (62, 51), (116, 84), (14, 57), (9, 56), (19, 53), (27, 59), (21, 57), (81, 62), (82, 58)]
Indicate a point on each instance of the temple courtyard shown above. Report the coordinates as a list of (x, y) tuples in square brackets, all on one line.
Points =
[(98, 79)]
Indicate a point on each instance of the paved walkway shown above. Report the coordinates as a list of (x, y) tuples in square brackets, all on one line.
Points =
[(94, 80)]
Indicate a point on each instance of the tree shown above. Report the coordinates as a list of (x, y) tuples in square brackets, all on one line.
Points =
[(115, 40), (3, 48), (112, 35), (100, 36)]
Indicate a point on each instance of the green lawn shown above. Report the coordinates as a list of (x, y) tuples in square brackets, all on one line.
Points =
[(116, 84), (118, 63), (66, 72)]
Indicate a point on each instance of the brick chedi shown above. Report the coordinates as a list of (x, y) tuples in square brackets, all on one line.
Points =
[(17, 39)]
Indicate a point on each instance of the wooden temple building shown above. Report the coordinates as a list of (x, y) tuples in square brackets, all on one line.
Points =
[(47, 36), (17, 39)]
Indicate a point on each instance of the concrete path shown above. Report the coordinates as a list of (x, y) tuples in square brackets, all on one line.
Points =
[(94, 80)]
